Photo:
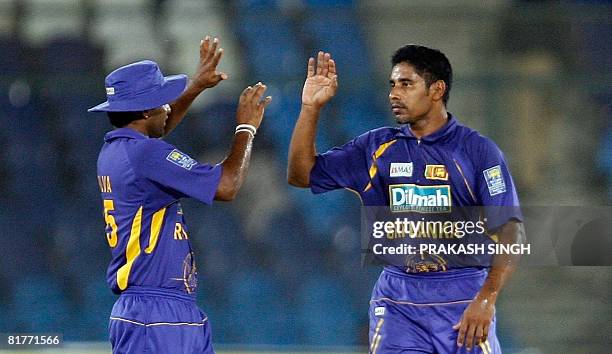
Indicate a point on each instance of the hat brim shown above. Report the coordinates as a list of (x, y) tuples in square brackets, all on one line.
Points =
[(170, 90)]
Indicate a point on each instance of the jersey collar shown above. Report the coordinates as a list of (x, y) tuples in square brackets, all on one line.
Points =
[(124, 133), (447, 129)]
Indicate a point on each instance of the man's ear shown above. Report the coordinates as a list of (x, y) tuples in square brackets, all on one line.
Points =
[(438, 89)]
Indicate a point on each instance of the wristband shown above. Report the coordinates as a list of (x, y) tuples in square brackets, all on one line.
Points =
[(248, 127), (245, 130)]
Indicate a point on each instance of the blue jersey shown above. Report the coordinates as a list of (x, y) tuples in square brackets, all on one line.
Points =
[(453, 167), (141, 182)]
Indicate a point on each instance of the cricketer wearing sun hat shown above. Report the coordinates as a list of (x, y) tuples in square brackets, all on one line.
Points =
[(140, 86), (141, 180)]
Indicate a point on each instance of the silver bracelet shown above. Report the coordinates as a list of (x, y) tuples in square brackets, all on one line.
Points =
[(249, 127), (245, 130)]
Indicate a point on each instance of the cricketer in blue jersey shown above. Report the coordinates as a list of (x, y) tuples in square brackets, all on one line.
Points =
[(142, 179), (430, 160)]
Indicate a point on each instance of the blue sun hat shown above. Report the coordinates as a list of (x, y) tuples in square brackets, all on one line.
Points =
[(138, 87)]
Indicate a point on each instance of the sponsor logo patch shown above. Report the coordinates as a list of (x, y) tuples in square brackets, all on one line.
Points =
[(495, 180), (420, 199), (436, 172), (180, 159), (401, 169), (379, 311), (110, 91)]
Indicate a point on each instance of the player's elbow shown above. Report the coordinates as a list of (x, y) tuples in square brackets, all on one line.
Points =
[(226, 191), (297, 183), (298, 170), (512, 232), (521, 238), (298, 180), (225, 196)]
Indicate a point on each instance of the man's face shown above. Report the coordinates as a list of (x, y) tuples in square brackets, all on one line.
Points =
[(409, 96), (156, 121)]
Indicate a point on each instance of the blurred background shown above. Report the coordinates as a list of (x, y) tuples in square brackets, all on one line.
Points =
[(279, 266)]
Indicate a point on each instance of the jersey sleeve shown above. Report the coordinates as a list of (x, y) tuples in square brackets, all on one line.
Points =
[(170, 168), (341, 167), (495, 187)]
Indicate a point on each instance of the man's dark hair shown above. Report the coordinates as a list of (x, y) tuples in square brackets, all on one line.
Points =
[(121, 119), (431, 64)]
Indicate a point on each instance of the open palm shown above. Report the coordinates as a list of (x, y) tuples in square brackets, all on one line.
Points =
[(322, 81)]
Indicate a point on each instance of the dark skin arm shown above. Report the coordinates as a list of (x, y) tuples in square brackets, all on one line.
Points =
[(302, 150), (320, 86), (474, 324), (236, 165), (206, 76), (250, 111)]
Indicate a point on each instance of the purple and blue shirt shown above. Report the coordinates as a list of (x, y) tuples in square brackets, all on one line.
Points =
[(141, 181), (452, 167)]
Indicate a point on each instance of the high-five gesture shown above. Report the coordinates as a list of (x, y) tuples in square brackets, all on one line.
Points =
[(250, 112), (322, 81), (320, 86), (251, 107), (206, 75)]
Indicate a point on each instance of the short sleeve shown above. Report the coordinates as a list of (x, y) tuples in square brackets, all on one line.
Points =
[(495, 187), (167, 166), (341, 167)]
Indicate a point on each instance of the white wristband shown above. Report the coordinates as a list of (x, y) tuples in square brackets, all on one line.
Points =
[(244, 130), (249, 127)]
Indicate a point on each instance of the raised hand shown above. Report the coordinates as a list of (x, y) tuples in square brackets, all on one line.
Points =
[(322, 81), (251, 107), (206, 75)]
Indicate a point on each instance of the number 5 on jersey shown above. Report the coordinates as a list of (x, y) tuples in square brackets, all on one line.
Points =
[(132, 250), (111, 236)]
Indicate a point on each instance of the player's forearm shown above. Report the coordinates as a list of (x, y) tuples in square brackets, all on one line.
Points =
[(503, 264), (302, 150), (235, 167), (180, 107)]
